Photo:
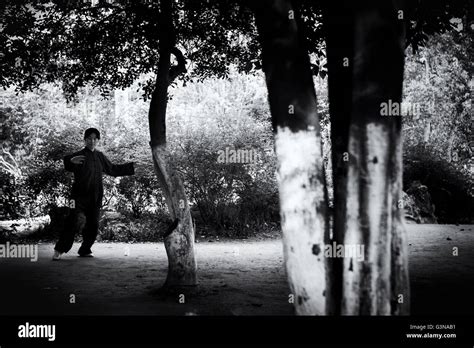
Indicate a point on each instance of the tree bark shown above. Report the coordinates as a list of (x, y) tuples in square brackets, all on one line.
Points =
[(179, 239), (378, 285), (339, 50), (303, 203)]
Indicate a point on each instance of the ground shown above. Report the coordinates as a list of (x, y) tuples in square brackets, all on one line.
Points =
[(244, 277)]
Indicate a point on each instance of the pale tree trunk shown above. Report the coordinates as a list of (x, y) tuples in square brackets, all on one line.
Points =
[(303, 202), (378, 285), (400, 282), (179, 239)]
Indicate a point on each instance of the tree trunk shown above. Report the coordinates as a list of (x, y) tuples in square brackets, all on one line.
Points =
[(179, 240), (303, 203), (339, 52), (378, 285)]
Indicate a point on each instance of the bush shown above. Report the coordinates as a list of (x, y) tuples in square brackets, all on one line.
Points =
[(216, 116), (149, 228), (259, 204), (49, 186), (450, 186), (15, 199), (137, 193), (229, 196)]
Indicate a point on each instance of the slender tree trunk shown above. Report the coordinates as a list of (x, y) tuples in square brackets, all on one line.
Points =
[(378, 285), (179, 241), (303, 203)]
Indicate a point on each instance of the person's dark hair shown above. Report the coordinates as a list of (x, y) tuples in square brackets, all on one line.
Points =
[(89, 131)]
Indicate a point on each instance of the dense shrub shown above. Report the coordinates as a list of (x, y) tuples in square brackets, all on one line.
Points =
[(124, 228), (451, 187), (15, 197), (49, 186), (138, 193), (213, 119)]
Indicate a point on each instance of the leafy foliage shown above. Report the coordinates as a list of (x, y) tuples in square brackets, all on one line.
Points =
[(426, 18), (138, 193), (109, 46), (210, 118), (228, 196), (436, 141), (437, 82)]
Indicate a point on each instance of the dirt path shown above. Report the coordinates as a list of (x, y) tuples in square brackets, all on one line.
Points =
[(235, 278)]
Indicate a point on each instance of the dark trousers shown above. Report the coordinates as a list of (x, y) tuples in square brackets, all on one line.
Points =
[(83, 218)]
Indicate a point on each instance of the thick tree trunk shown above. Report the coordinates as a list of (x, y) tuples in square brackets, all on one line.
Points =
[(339, 50), (179, 240), (378, 285), (303, 203), (400, 282)]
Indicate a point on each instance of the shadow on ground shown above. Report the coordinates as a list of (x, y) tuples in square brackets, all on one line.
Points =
[(235, 278)]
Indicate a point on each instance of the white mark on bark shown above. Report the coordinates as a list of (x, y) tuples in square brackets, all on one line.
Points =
[(301, 194)]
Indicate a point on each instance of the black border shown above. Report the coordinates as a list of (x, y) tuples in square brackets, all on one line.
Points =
[(225, 330)]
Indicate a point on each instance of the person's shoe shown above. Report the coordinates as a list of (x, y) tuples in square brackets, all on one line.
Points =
[(83, 252), (57, 255)]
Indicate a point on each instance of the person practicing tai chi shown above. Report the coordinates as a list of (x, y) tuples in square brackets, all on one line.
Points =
[(87, 165)]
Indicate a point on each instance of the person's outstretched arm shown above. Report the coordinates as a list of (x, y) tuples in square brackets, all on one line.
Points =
[(71, 162), (116, 169)]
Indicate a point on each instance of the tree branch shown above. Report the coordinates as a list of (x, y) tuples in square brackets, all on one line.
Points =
[(178, 69), (12, 169)]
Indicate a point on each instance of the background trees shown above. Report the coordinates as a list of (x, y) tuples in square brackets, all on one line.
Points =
[(436, 141), (227, 198)]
